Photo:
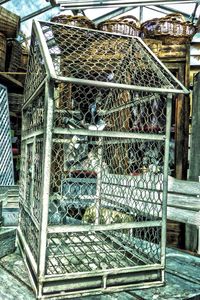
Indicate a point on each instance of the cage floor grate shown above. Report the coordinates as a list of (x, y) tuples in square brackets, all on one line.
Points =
[(83, 252)]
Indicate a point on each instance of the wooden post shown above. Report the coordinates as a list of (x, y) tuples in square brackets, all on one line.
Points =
[(192, 236), (194, 171)]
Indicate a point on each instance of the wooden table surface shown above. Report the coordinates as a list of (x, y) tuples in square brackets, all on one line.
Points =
[(182, 280)]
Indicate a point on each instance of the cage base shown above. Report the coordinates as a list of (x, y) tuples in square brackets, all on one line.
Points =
[(67, 286)]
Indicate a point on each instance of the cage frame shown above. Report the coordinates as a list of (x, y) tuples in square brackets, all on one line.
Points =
[(44, 285)]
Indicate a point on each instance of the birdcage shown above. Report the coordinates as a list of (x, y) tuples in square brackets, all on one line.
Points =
[(94, 165)]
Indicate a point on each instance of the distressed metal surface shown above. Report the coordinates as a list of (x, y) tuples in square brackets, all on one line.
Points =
[(84, 141), (6, 160)]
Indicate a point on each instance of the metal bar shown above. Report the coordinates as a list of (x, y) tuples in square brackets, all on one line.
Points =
[(97, 291), (185, 91), (32, 217), (25, 172), (44, 50), (53, 2), (112, 142), (75, 12), (114, 134), (30, 141), (110, 4), (157, 10), (32, 174), (165, 179), (36, 13), (34, 95), (194, 12), (3, 1), (32, 135), (143, 2), (27, 250), (98, 184), (33, 285), (113, 14), (141, 14), (46, 178), (173, 10), (124, 86), (126, 270), (93, 228)]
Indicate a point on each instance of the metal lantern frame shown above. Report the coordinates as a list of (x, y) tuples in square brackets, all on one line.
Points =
[(74, 256)]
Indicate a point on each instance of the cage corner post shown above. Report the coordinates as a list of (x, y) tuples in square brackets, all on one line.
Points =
[(165, 182), (48, 123)]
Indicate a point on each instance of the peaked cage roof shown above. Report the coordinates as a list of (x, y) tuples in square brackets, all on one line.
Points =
[(91, 57)]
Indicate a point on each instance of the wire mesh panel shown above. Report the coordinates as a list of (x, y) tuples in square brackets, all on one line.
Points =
[(95, 163), (6, 159)]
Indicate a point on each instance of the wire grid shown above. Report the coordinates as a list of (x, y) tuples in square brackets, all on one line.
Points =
[(29, 231), (135, 111), (37, 178), (33, 115), (74, 171), (29, 168), (36, 69), (31, 176), (22, 185), (127, 178), (85, 252), (79, 106), (6, 159), (95, 55)]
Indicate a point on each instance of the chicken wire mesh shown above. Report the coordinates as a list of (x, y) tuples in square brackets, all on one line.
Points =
[(104, 57), (94, 163)]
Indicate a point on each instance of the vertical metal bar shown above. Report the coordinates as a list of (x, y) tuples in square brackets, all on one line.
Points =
[(98, 188), (49, 90), (141, 13), (165, 179), (198, 240), (25, 170), (32, 174)]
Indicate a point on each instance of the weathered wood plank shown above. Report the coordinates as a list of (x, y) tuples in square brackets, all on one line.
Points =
[(12, 288), (183, 186), (154, 182), (131, 194), (7, 241), (127, 192)]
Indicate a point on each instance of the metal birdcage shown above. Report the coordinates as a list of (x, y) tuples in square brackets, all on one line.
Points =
[(94, 168)]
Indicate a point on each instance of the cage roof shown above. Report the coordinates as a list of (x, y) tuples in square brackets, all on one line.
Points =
[(91, 57)]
